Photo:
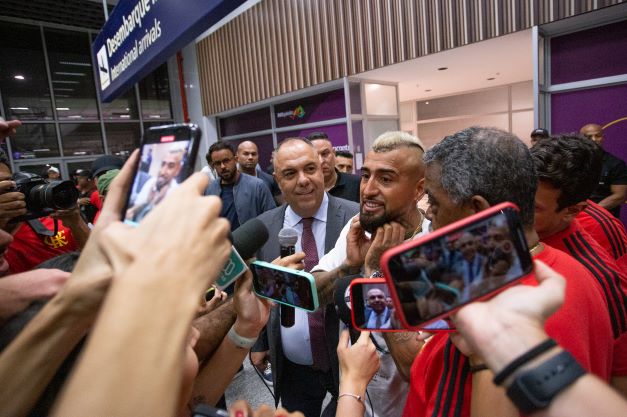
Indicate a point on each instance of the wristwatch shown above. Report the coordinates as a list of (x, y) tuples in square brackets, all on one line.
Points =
[(534, 389)]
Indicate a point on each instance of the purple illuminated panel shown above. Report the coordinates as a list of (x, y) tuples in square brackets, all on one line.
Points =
[(264, 144), (316, 108), (592, 53), (337, 133), (571, 110), (251, 121)]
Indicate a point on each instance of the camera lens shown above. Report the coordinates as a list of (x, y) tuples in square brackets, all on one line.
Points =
[(58, 195)]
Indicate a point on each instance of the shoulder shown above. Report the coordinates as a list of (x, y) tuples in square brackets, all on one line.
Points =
[(349, 206), (273, 214), (351, 179)]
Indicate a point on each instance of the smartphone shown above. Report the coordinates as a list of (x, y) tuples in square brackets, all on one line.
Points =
[(234, 268), (167, 156), (372, 307), (469, 260), (284, 285)]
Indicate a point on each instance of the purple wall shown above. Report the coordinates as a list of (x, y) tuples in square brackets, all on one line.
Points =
[(337, 133), (571, 110), (593, 53), (316, 108), (251, 121)]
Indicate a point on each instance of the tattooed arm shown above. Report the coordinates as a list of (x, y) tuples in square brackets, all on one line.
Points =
[(403, 346)]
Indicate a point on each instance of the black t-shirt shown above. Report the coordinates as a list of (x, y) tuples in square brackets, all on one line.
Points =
[(228, 206), (614, 172), (346, 186)]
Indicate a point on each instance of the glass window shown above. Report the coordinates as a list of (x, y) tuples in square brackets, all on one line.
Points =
[(122, 108), (81, 139), (35, 141), (122, 138), (23, 78), (72, 75), (154, 92), (481, 102), (72, 167), (380, 100), (38, 169)]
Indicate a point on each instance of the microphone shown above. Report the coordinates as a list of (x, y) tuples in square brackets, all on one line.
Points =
[(287, 241), (247, 240)]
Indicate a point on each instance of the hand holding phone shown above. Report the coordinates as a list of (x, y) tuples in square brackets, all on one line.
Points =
[(469, 260)]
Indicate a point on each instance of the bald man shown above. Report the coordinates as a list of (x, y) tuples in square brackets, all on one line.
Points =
[(247, 157), (612, 189)]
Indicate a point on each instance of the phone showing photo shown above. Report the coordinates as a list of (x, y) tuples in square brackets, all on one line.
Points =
[(469, 260), (166, 159), (285, 286)]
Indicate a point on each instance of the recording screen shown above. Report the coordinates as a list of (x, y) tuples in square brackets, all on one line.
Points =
[(159, 172), (284, 287), (445, 273), (377, 310)]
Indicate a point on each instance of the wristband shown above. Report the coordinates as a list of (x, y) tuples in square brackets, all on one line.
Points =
[(240, 341), (533, 390), (523, 359)]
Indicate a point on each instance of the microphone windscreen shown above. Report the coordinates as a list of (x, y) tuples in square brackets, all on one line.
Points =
[(341, 297), (288, 237), (249, 238)]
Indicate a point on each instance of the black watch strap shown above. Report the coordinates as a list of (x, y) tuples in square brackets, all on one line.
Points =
[(534, 389)]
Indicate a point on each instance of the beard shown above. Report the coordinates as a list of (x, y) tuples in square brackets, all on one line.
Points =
[(371, 223)]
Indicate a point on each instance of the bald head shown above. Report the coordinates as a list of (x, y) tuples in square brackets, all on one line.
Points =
[(594, 132), (247, 157)]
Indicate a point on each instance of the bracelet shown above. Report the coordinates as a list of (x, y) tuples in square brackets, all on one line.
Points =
[(522, 359), (478, 368), (240, 341), (355, 396)]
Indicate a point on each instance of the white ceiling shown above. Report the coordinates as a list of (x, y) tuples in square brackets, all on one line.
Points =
[(507, 58)]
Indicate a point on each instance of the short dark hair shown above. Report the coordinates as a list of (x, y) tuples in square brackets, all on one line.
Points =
[(219, 146), (318, 136), (344, 154), (488, 162), (571, 163)]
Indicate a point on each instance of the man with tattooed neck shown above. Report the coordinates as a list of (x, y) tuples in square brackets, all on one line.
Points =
[(391, 185)]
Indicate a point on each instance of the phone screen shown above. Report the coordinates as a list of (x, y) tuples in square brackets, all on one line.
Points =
[(166, 160), (466, 264), (294, 289)]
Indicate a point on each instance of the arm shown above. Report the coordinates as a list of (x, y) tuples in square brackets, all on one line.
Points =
[(72, 220), (267, 202), (213, 327), (142, 288), (403, 346), (217, 374), (30, 361), (358, 364), (19, 290), (618, 196)]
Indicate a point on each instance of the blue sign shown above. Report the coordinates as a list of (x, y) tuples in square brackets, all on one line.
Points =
[(140, 35)]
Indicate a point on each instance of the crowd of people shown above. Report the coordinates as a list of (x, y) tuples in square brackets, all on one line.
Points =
[(101, 318)]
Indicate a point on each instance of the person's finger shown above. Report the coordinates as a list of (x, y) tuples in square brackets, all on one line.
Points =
[(245, 282), (398, 233), (240, 408), (552, 286), (364, 338), (198, 182), (344, 340), (8, 185), (115, 242)]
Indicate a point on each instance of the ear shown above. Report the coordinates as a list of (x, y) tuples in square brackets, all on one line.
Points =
[(477, 203), (571, 212), (420, 189)]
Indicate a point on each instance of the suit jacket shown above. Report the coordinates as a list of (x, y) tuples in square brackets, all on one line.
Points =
[(339, 212)]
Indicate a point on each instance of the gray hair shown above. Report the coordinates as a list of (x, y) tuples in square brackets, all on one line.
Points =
[(488, 162), (390, 141)]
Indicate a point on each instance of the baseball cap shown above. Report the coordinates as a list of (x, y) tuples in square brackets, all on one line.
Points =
[(540, 132), (106, 163), (54, 169)]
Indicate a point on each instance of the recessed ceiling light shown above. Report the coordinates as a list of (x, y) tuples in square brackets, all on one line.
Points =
[(20, 108), (426, 91), (442, 68), (491, 78), (63, 108), (426, 102), (19, 77)]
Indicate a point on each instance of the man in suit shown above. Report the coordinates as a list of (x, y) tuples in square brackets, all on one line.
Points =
[(304, 372)]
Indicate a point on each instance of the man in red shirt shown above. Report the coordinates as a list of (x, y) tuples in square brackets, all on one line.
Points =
[(606, 229), (466, 173), (88, 198), (568, 168)]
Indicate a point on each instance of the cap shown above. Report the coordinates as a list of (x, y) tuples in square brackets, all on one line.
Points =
[(105, 180), (83, 173), (540, 132), (55, 169), (106, 163)]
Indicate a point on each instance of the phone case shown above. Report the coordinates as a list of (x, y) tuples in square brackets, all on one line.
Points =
[(450, 229), (308, 276)]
